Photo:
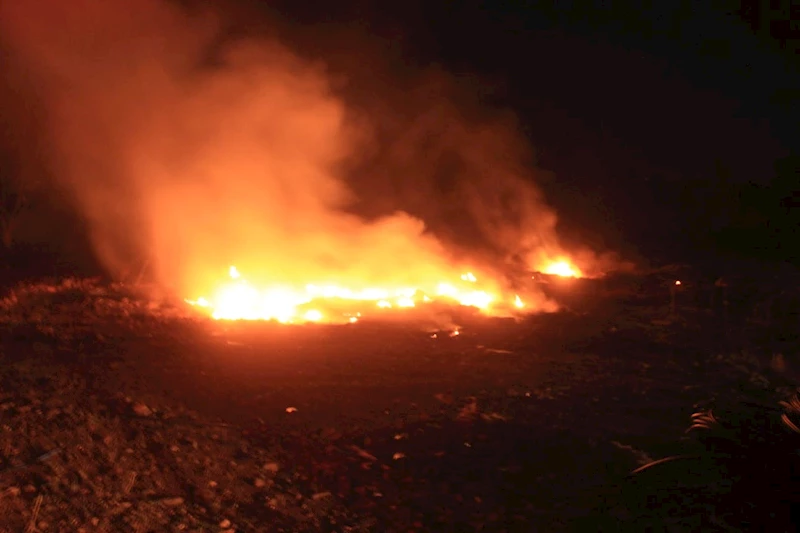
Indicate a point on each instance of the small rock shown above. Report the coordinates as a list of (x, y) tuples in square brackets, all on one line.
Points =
[(225, 524), (13, 491), (320, 495), (141, 409), (271, 467), (172, 502), (259, 483)]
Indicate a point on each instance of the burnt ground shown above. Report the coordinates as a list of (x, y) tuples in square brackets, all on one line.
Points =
[(122, 415)]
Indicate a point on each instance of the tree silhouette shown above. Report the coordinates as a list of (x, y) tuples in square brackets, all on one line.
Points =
[(786, 192), (14, 199), (18, 184)]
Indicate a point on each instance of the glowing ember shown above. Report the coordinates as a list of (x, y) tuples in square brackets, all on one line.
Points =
[(237, 299), (562, 268)]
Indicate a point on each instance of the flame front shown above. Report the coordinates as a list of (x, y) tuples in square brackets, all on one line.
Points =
[(562, 268), (237, 299)]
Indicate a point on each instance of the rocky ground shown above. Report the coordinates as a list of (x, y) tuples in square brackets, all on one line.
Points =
[(118, 414)]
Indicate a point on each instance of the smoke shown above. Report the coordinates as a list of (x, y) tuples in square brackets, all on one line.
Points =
[(466, 178), (197, 151)]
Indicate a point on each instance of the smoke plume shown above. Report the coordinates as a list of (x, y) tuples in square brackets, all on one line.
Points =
[(183, 145)]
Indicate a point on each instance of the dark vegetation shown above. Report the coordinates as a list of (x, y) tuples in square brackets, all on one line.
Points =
[(119, 414)]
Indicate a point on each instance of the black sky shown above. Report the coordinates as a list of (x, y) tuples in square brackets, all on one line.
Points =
[(620, 70), (621, 100)]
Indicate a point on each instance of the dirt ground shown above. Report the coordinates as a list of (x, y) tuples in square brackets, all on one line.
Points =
[(118, 414)]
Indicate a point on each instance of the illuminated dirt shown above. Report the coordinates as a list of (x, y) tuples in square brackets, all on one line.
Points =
[(137, 415)]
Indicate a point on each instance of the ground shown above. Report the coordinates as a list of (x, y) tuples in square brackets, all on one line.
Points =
[(118, 414)]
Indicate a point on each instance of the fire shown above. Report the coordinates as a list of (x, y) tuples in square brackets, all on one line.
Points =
[(237, 299), (562, 268)]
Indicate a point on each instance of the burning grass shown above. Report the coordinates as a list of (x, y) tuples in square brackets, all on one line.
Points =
[(238, 299)]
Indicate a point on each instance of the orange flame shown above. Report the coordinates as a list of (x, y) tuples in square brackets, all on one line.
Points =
[(237, 299), (562, 268)]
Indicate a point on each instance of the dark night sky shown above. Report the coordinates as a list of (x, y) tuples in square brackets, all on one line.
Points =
[(620, 103)]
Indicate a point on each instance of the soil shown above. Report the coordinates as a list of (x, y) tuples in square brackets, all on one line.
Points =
[(120, 414)]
